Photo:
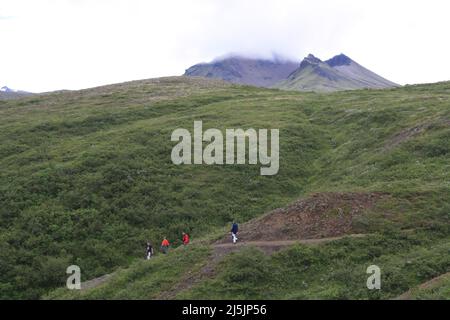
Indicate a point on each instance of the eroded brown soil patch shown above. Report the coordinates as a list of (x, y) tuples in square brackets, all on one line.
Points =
[(322, 215)]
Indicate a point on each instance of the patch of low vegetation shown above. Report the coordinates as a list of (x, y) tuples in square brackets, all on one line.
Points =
[(143, 279), (87, 179), (334, 270)]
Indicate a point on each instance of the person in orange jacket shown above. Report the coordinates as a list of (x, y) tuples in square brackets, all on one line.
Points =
[(165, 245), (185, 238)]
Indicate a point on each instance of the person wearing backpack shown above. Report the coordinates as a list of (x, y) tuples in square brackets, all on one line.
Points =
[(234, 231), (149, 251)]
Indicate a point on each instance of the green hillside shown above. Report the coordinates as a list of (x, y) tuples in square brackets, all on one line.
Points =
[(87, 178)]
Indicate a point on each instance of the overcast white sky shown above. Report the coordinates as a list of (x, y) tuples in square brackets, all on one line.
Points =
[(72, 44)]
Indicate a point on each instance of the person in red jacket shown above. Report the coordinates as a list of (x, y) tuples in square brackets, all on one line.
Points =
[(165, 245), (185, 238)]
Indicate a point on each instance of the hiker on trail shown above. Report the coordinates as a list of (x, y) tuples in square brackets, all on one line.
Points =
[(185, 238), (234, 231), (149, 250), (165, 245)]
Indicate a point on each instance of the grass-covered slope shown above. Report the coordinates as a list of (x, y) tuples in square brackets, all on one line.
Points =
[(87, 178)]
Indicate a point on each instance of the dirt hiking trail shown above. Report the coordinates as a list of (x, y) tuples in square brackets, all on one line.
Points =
[(220, 250), (85, 285)]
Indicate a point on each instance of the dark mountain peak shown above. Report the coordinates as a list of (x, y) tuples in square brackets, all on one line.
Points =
[(337, 73), (308, 61), (339, 60), (312, 59)]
